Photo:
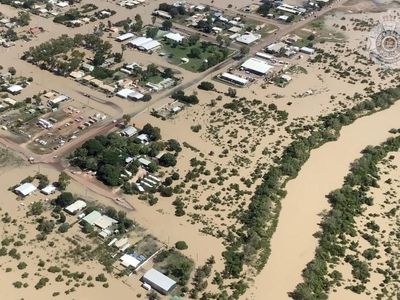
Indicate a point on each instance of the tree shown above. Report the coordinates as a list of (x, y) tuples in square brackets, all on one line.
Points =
[(153, 20), (126, 118), (195, 52), (166, 25), (244, 50), (151, 32), (109, 175), (168, 160), (168, 73), (64, 199), (193, 39), (206, 85), (36, 208), (63, 227), (231, 92), (264, 8), (63, 180), (12, 70)]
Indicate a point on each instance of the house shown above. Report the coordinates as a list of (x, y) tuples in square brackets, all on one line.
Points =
[(150, 46), (124, 37), (174, 37), (129, 261), (159, 281), (87, 67), (10, 101), (162, 14), (234, 79), (256, 66), (144, 162), (48, 190), (275, 48), (129, 131), (139, 41), (235, 29), (25, 189), (62, 4), (76, 75), (144, 138), (78, 205), (121, 243), (92, 217), (58, 100), (124, 93), (104, 222), (286, 77), (15, 89), (217, 30), (248, 38)]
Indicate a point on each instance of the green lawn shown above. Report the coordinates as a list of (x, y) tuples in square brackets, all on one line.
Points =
[(176, 53)]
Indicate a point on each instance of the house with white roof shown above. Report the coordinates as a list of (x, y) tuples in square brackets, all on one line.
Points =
[(48, 190), (78, 205), (248, 38), (175, 37), (129, 261), (15, 89), (25, 189)]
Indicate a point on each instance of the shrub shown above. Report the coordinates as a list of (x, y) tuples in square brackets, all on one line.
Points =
[(181, 245), (206, 85)]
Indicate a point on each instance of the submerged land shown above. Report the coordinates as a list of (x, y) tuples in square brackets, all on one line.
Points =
[(245, 151)]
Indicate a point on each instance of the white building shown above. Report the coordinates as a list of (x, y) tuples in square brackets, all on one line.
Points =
[(256, 66), (248, 38), (131, 94), (104, 222), (58, 100), (139, 41), (159, 281), (25, 189), (234, 79), (78, 205), (150, 46), (129, 131), (48, 190), (175, 37), (125, 37), (129, 261), (307, 50), (15, 89)]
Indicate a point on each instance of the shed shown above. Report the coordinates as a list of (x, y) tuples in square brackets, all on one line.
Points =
[(159, 281), (25, 189), (307, 50), (50, 189), (75, 207)]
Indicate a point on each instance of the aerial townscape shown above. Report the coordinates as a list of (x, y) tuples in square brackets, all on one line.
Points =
[(187, 149)]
